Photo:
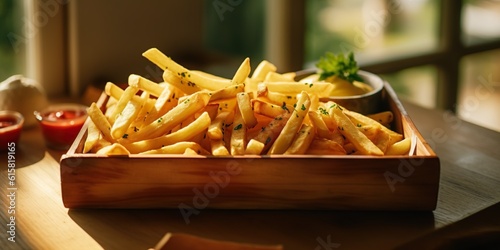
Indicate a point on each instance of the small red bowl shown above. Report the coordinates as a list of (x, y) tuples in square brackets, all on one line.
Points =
[(11, 125), (61, 124)]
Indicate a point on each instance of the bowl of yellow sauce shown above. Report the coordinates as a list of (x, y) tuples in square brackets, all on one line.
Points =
[(361, 96)]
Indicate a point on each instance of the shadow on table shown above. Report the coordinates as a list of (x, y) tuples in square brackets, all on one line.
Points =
[(478, 231), (29, 150), (294, 229)]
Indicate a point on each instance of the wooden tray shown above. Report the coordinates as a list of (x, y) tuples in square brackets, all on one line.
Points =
[(256, 182)]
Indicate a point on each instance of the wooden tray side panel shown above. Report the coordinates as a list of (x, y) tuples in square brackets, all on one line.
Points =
[(279, 183)]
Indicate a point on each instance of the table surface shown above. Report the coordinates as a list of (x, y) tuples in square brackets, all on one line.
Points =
[(470, 183)]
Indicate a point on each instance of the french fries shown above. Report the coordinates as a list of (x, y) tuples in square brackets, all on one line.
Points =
[(351, 132), (184, 134), (293, 124), (195, 113), (193, 77)]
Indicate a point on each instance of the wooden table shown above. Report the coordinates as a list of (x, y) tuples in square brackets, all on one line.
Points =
[(470, 182)]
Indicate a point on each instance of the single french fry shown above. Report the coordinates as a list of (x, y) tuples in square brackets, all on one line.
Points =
[(145, 84), (127, 95), (322, 89), (384, 117), (281, 98), (93, 135), (226, 92), (167, 99), (262, 70), (238, 134), (185, 86), (113, 149), (262, 123), (323, 146), (245, 107), (302, 140), (325, 110), (351, 132), (101, 143), (371, 132), (100, 121), (144, 112), (268, 134), (200, 80), (399, 148), (212, 109), (315, 102), (261, 90), (359, 118), (184, 134), (254, 147), (177, 148), (382, 140), (218, 148), (190, 152), (289, 75), (350, 149), (321, 129), (172, 118), (242, 73), (125, 119), (292, 126), (219, 125), (268, 109), (273, 76), (225, 105), (113, 90)]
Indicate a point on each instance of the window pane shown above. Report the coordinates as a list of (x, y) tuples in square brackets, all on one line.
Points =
[(480, 21), (12, 39), (417, 85), (375, 30), (479, 89)]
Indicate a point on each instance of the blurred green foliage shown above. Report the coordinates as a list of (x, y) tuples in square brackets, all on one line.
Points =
[(10, 23)]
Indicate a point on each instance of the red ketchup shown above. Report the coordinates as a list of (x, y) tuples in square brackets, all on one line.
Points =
[(61, 124), (11, 124)]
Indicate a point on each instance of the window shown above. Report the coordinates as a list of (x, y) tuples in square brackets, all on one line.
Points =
[(479, 89), (480, 21), (379, 31), (438, 54), (376, 31), (12, 54)]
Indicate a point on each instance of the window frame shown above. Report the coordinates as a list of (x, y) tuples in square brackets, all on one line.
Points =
[(446, 58)]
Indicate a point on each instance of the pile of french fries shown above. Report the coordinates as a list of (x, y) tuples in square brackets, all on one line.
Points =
[(196, 113)]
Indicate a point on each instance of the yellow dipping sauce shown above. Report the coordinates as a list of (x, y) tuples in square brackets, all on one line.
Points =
[(341, 87)]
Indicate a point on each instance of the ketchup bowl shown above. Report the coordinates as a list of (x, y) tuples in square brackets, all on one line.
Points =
[(61, 123), (11, 124)]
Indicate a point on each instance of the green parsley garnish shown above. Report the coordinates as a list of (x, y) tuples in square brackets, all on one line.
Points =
[(338, 65), (323, 111)]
